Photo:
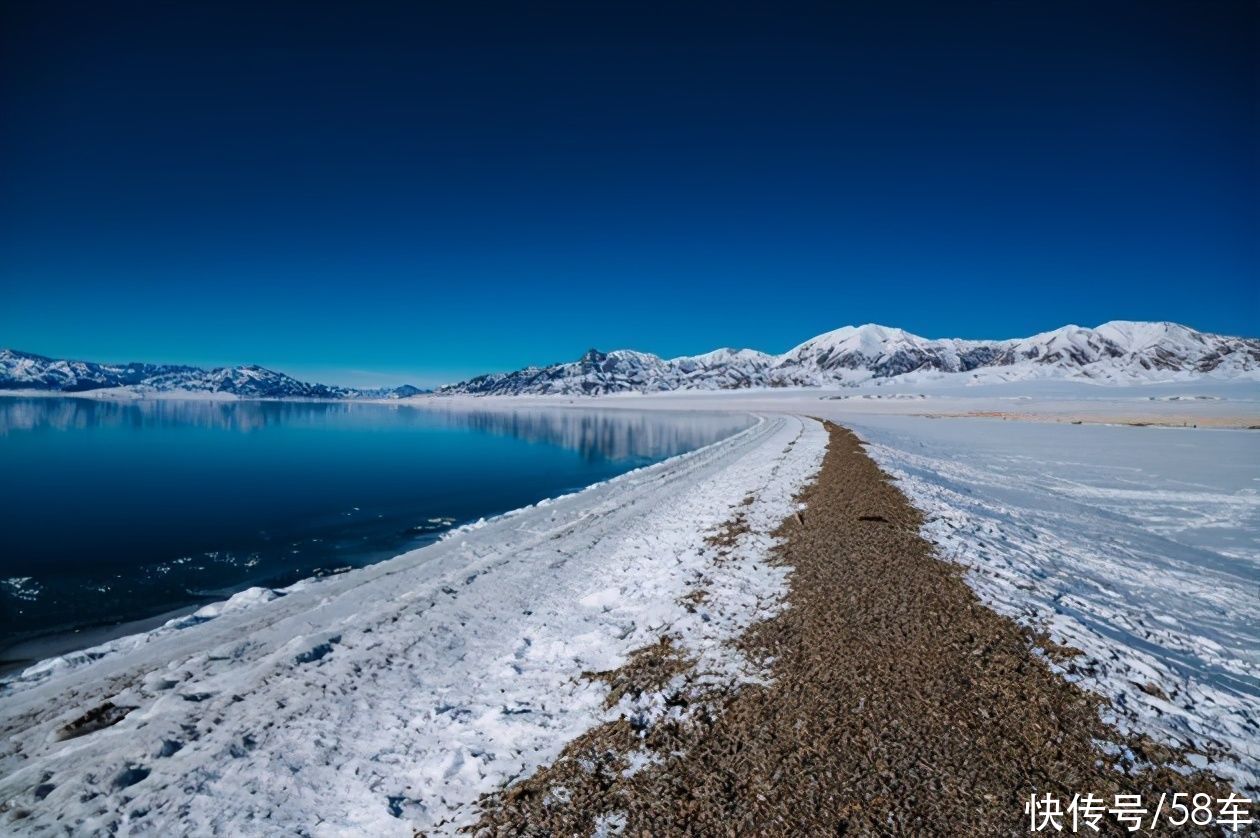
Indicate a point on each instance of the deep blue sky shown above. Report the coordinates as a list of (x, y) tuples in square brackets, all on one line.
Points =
[(428, 190)]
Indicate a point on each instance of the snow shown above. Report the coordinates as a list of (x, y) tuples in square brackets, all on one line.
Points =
[(21, 372), (1140, 547), (871, 341), (1137, 336), (725, 355), (1206, 399), (1118, 352), (390, 698)]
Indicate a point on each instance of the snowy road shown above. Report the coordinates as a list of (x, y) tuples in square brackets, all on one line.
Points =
[(390, 698)]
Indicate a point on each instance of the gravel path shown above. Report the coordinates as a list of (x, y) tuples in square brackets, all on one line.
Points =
[(898, 705)]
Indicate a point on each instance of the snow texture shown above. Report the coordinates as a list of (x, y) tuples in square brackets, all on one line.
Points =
[(390, 698), (1140, 547)]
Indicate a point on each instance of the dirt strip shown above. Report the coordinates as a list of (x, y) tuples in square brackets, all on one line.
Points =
[(899, 705)]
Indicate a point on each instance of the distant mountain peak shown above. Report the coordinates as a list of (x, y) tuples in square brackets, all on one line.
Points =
[(593, 356)]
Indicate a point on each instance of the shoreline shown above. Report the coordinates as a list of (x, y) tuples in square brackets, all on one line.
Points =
[(1228, 403), (56, 643), (52, 614), (468, 653), (1233, 405), (484, 662)]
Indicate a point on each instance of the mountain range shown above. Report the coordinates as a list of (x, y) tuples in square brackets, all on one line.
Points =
[(1115, 352), (1118, 352), (26, 371)]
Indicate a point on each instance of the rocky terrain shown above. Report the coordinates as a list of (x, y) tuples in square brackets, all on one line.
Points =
[(27, 371), (1116, 352), (1120, 351)]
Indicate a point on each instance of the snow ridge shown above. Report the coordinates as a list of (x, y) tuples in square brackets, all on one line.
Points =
[(1115, 352), (26, 371)]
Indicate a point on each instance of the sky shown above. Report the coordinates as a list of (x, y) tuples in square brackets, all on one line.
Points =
[(372, 193)]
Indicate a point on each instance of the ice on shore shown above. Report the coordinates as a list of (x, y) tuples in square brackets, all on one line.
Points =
[(390, 698)]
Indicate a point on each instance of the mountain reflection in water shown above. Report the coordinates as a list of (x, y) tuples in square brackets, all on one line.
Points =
[(120, 510)]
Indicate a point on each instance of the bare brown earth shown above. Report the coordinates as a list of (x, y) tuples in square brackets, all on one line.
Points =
[(898, 705)]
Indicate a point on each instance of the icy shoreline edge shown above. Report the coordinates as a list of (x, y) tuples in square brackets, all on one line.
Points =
[(391, 698)]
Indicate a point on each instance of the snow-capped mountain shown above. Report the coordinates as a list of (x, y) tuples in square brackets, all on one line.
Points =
[(26, 371), (1119, 351)]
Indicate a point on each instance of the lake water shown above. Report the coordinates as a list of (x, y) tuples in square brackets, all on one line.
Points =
[(113, 512)]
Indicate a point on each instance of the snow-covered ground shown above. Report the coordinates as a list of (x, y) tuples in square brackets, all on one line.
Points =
[(1138, 546), (1204, 401), (390, 698)]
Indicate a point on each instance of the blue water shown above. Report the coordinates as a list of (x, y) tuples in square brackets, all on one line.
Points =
[(112, 512)]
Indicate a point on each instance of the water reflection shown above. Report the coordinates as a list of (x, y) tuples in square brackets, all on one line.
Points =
[(597, 434), (126, 509), (68, 413)]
